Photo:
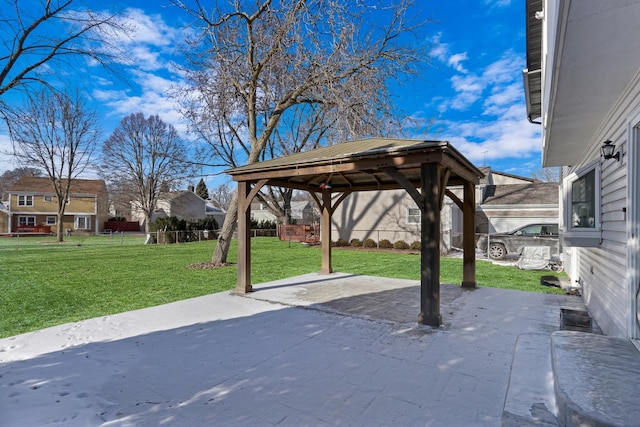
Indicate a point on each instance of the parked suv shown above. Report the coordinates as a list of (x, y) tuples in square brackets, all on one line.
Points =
[(503, 244)]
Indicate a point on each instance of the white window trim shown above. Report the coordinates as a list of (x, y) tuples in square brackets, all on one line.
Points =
[(576, 236), (47, 198), (54, 222), (409, 215), (87, 220), (27, 220), (23, 200)]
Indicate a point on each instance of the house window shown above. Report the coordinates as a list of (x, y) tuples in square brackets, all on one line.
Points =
[(413, 216), (583, 201), (27, 221), (582, 207), (25, 200), (48, 198), (82, 223), (51, 220)]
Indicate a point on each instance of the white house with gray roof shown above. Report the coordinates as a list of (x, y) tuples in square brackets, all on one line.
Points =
[(582, 85), (504, 202)]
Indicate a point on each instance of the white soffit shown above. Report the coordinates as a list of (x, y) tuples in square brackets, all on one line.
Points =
[(600, 55)]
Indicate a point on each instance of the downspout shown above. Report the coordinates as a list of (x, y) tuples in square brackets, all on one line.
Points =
[(9, 217), (527, 93), (95, 212)]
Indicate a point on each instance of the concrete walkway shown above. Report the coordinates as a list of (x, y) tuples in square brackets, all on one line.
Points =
[(310, 350)]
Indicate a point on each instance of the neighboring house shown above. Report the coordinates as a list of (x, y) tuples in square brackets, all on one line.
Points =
[(32, 205), (506, 207), (302, 212), (4, 218), (381, 215), (305, 212), (215, 213), (184, 204), (583, 87), (260, 213), (503, 202)]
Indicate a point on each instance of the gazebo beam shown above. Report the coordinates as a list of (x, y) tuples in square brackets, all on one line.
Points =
[(468, 236), (325, 232), (243, 285), (430, 246), (246, 195)]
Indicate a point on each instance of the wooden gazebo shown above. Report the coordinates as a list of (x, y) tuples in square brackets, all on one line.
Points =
[(425, 169)]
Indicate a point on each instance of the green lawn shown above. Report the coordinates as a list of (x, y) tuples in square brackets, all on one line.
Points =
[(43, 283)]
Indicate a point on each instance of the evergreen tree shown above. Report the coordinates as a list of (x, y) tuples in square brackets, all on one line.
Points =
[(201, 189)]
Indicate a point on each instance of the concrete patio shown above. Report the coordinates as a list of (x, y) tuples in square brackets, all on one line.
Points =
[(309, 350)]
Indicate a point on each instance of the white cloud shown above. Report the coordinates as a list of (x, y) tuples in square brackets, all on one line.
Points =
[(150, 29), (455, 61), (503, 98), (149, 71), (498, 3), (495, 140), (490, 122), (146, 42), (500, 79), (441, 51), (6, 161)]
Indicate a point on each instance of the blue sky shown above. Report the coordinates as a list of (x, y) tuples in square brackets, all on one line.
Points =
[(471, 94)]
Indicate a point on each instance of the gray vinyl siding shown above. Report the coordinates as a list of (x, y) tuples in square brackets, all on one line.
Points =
[(602, 270)]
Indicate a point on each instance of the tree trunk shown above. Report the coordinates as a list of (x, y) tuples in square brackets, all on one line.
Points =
[(147, 222), (224, 238), (59, 229)]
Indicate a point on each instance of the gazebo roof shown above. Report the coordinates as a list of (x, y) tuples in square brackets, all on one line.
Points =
[(360, 165)]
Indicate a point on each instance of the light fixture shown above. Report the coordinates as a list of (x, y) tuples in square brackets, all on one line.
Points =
[(608, 148)]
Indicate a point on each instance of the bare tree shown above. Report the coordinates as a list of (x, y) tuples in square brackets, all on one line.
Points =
[(146, 155), (221, 195), (40, 40), (57, 134), (11, 176), (255, 65), (548, 174)]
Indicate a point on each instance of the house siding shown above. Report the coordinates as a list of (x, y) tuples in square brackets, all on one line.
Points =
[(602, 270), (87, 198), (41, 209), (383, 214), (375, 215)]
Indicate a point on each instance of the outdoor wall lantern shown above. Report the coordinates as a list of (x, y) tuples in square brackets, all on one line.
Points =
[(608, 148)]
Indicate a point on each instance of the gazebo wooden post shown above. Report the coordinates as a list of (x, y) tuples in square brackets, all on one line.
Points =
[(468, 236), (325, 232), (430, 246), (244, 239)]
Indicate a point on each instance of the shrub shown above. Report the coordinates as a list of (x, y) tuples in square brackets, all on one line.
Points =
[(356, 243), (341, 242), (264, 224), (170, 223), (208, 223), (401, 244), (369, 243), (416, 246), (385, 244)]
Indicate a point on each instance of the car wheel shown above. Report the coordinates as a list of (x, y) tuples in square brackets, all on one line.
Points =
[(497, 251)]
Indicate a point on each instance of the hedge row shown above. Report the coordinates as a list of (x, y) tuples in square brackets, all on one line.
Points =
[(382, 244)]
